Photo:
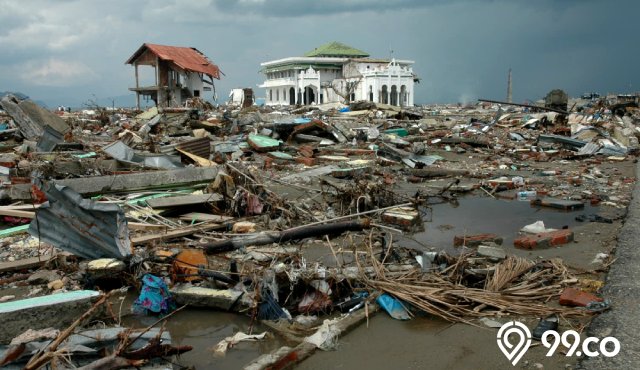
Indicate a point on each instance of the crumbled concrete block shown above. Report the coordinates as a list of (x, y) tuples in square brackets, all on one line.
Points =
[(106, 265), (205, 297), (492, 251), (43, 277), (401, 216)]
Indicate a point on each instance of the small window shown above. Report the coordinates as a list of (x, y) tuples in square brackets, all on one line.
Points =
[(277, 95), (196, 93), (270, 95)]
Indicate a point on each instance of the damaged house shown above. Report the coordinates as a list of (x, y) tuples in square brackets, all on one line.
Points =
[(336, 72), (180, 73)]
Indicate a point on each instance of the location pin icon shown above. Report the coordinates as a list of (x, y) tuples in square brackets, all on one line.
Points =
[(514, 352)]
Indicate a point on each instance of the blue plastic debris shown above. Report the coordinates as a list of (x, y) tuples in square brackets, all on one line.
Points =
[(394, 307), (269, 309), (301, 120)]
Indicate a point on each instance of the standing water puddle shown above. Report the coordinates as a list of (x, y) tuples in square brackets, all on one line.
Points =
[(486, 215), (203, 329)]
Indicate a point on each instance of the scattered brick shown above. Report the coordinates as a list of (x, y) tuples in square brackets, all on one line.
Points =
[(575, 297), (544, 240)]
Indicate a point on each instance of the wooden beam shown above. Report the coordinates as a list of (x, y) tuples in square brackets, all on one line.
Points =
[(26, 263), (137, 86), (16, 213), (183, 200), (197, 216), (145, 239)]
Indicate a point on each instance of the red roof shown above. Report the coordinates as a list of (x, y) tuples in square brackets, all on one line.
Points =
[(188, 59)]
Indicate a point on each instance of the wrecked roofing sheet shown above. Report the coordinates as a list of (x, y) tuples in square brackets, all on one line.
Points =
[(80, 226), (561, 139), (200, 147), (122, 152)]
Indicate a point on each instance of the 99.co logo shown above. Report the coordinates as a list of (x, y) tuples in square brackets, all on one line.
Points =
[(515, 350), (571, 339)]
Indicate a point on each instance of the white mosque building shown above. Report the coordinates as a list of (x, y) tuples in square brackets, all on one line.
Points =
[(335, 72)]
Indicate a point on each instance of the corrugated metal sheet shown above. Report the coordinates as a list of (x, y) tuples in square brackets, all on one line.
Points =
[(189, 59), (120, 151), (80, 226), (200, 147), (589, 149)]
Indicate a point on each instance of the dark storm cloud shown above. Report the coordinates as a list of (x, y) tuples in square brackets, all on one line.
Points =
[(295, 8), (69, 50)]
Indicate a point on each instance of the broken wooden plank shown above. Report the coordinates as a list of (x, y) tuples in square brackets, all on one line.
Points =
[(437, 172), (16, 213), (27, 263), (197, 216), (183, 200), (144, 226), (145, 239), (296, 233), (126, 183)]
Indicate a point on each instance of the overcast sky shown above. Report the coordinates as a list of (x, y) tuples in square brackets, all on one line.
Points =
[(65, 52)]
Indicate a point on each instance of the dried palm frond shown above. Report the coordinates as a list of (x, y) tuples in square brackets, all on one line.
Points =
[(517, 286)]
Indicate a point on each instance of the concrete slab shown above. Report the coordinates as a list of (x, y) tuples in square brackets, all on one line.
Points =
[(223, 299), (55, 311)]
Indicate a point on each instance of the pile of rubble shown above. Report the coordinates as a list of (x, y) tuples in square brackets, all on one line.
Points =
[(224, 207)]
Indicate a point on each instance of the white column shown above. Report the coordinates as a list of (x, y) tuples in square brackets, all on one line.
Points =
[(410, 93), (375, 90)]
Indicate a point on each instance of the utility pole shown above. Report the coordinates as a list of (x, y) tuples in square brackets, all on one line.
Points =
[(509, 96)]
